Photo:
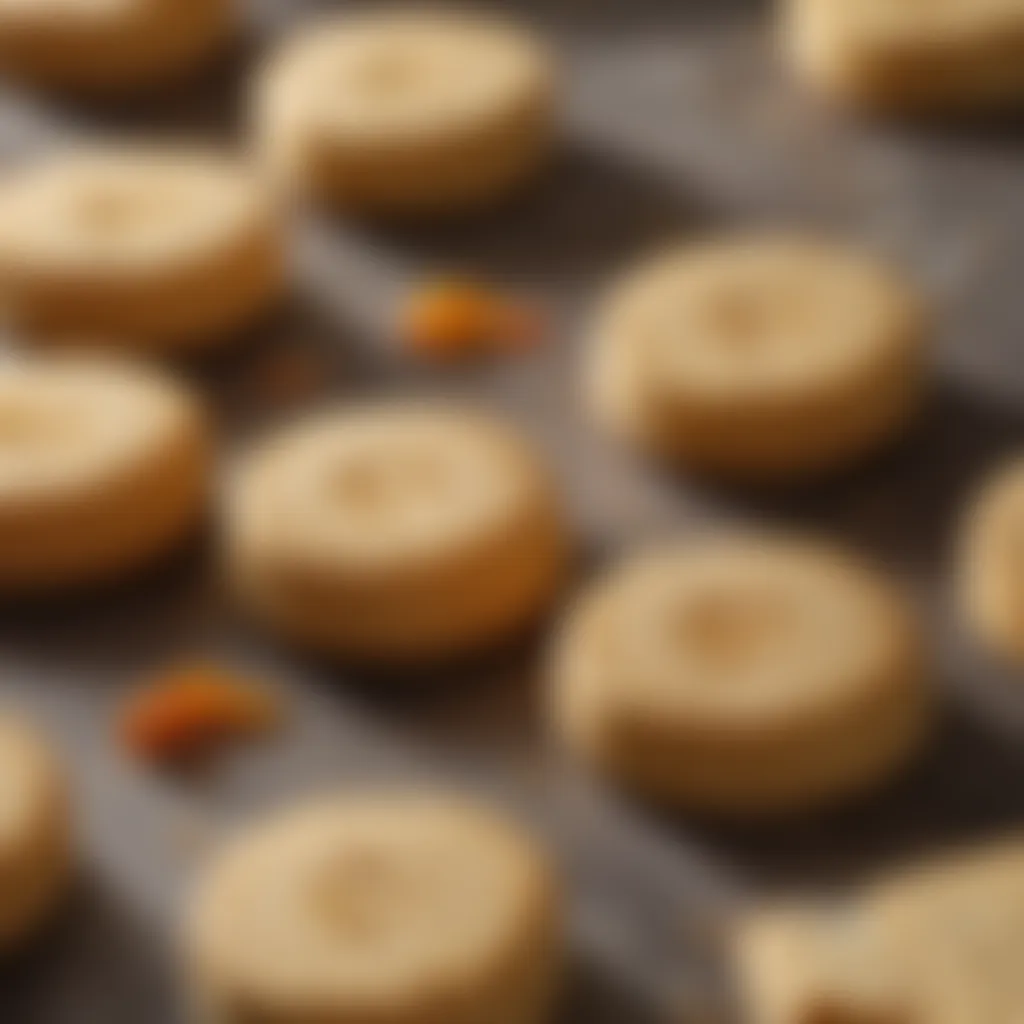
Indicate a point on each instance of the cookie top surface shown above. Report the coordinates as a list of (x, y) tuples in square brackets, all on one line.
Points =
[(385, 486), (388, 75), (886, 23), (744, 632), (369, 901), (87, 12), (951, 932), (936, 941), (70, 424), (767, 319), (125, 211), (28, 782)]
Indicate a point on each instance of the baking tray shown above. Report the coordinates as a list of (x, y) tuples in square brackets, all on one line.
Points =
[(678, 121)]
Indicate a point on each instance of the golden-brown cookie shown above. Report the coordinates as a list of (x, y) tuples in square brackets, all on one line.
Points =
[(742, 676), (405, 909), (407, 112), (901, 55), (110, 46), (103, 467), (155, 249), (759, 358), (395, 532)]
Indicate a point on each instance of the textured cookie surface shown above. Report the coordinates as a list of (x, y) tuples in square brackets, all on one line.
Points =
[(395, 531), (900, 54), (415, 909), (407, 112), (35, 859), (756, 358), (991, 577), (939, 942), (151, 248), (109, 46), (102, 467), (748, 675)]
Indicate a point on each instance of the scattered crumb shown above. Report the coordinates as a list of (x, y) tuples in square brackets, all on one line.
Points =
[(190, 710), (452, 319)]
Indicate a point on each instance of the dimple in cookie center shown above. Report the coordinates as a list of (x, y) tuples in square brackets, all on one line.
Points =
[(362, 895), (750, 323), (391, 74), (110, 212), (379, 487), (729, 630)]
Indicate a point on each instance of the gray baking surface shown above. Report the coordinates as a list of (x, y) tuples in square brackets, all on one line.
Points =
[(678, 121)]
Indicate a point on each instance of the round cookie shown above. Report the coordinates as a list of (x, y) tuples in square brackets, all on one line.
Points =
[(991, 576), (904, 57), (759, 358), (410, 910), (395, 532), (407, 112), (35, 833), (158, 249), (109, 46), (102, 467), (742, 676)]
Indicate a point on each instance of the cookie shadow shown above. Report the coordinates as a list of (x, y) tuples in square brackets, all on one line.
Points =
[(956, 794), (487, 703), (586, 215), (595, 992), (901, 506), (94, 962), (166, 610)]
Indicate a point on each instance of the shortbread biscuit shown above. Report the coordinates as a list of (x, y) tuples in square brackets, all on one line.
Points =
[(110, 46), (742, 676), (758, 358), (157, 249), (991, 570), (102, 467), (405, 909), (35, 833), (815, 965), (905, 56), (407, 112), (938, 943), (395, 532)]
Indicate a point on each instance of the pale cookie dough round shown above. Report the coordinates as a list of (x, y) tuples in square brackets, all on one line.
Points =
[(758, 359), (110, 47), (103, 467), (395, 532), (154, 249), (903, 56), (407, 112), (742, 676), (399, 909), (991, 570), (35, 833)]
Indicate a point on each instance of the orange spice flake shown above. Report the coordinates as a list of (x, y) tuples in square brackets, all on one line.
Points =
[(189, 710), (455, 319)]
